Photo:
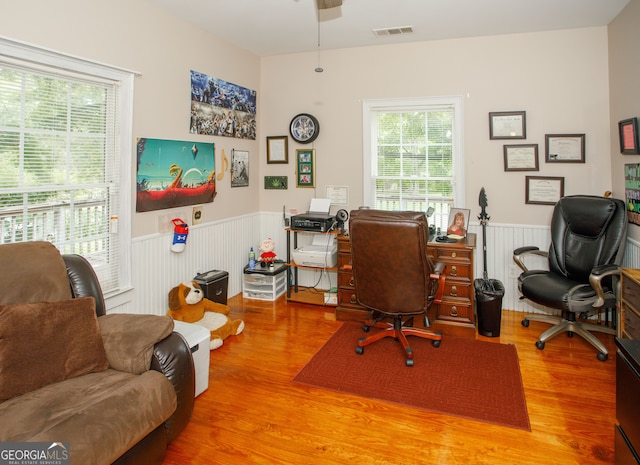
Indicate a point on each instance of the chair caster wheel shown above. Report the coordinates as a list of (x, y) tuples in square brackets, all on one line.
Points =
[(359, 350), (602, 357), (525, 323), (409, 362), (366, 328), (436, 343), (540, 345), (569, 333)]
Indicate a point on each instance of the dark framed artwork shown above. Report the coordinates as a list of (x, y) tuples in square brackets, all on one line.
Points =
[(305, 168), (277, 149), (564, 148), (508, 125), (522, 157), (628, 133), (543, 190), (276, 182), (239, 168)]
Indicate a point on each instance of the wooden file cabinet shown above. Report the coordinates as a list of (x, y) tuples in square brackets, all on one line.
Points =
[(629, 318), (454, 316)]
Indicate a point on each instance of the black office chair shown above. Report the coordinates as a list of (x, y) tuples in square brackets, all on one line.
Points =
[(393, 276), (588, 236)]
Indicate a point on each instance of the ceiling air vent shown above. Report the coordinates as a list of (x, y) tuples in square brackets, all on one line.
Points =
[(393, 31)]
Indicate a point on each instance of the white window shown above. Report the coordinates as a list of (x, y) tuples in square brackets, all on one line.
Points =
[(65, 145), (413, 155)]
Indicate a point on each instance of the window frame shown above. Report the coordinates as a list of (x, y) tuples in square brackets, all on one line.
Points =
[(371, 107), (29, 56)]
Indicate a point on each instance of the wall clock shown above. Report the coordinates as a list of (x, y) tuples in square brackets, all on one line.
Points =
[(304, 128)]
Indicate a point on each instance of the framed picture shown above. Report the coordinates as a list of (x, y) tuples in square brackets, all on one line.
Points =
[(508, 125), (543, 190), (632, 191), (239, 168), (523, 157), (564, 148), (628, 131), (277, 149), (276, 182), (458, 223), (305, 168)]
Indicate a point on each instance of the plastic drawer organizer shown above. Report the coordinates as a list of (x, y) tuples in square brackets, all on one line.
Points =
[(264, 283)]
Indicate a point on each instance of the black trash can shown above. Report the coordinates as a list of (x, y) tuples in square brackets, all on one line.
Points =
[(489, 293)]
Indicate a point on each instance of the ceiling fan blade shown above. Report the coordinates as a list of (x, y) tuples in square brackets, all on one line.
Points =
[(325, 4)]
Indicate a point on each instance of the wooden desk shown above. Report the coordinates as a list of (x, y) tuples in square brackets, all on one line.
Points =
[(454, 316)]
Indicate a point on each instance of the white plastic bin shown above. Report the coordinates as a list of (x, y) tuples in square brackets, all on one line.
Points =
[(198, 339)]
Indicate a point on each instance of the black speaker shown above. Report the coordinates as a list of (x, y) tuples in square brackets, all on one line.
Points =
[(341, 217)]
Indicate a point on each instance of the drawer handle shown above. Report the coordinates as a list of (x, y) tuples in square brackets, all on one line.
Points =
[(454, 291), (352, 282), (353, 299), (454, 255), (454, 311), (453, 271)]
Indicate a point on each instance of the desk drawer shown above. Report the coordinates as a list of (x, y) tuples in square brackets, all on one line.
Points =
[(345, 280), (458, 311), (457, 289), (347, 297)]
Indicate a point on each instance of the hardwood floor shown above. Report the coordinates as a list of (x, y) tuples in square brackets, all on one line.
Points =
[(253, 413)]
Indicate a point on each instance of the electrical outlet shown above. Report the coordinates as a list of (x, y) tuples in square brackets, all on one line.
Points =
[(196, 216)]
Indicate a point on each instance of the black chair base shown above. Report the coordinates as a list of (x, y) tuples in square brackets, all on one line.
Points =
[(568, 324), (398, 330)]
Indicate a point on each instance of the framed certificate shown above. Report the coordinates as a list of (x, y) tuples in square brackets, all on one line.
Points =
[(628, 133), (564, 148), (507, 125), (542, 190), (523, 157), (277, 149)]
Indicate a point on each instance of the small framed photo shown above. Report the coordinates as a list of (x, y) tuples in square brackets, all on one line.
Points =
[(628, 131), (508, 125), (277, 149), (305, 168), (239, 168), (564, 148), (458, 223), (522, 157), (543, 190)]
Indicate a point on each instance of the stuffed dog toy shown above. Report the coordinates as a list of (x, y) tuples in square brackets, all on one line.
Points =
[(187, 303)]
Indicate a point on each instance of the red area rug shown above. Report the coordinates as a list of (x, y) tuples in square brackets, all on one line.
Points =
[(463, 377)]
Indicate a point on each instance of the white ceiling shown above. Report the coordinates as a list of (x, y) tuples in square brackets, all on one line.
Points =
[(274, 27)]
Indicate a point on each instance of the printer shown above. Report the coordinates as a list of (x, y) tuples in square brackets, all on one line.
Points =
[(323, 250), (321, 253)]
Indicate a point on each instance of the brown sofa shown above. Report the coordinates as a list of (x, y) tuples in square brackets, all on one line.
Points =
[(116, 388)]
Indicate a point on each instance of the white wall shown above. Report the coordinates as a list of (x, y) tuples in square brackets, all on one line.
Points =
[(624, 69), (559, 78), (134, 35)]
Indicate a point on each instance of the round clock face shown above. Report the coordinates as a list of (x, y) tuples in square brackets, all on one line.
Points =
[(304, 128)]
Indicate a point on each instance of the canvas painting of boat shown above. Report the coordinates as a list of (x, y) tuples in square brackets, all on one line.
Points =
[(173, 173)]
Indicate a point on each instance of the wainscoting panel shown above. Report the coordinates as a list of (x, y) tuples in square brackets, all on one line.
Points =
[(224, 245)]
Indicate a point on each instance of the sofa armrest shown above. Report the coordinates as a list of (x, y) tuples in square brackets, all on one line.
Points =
[(129, 339), (172, 357)]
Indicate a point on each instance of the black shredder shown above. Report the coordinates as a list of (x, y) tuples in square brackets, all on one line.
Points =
[(214, 285)]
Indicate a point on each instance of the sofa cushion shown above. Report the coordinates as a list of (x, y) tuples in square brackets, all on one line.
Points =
[(47, 342), (101, 415), (42, 264), (129, 339)]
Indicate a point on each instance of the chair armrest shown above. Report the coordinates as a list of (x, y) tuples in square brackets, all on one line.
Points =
[(172, 357), (129, 339), (521, 252), (437, 277), (595, 279)]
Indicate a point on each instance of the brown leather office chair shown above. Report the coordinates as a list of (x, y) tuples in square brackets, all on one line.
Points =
[(393, 276)]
